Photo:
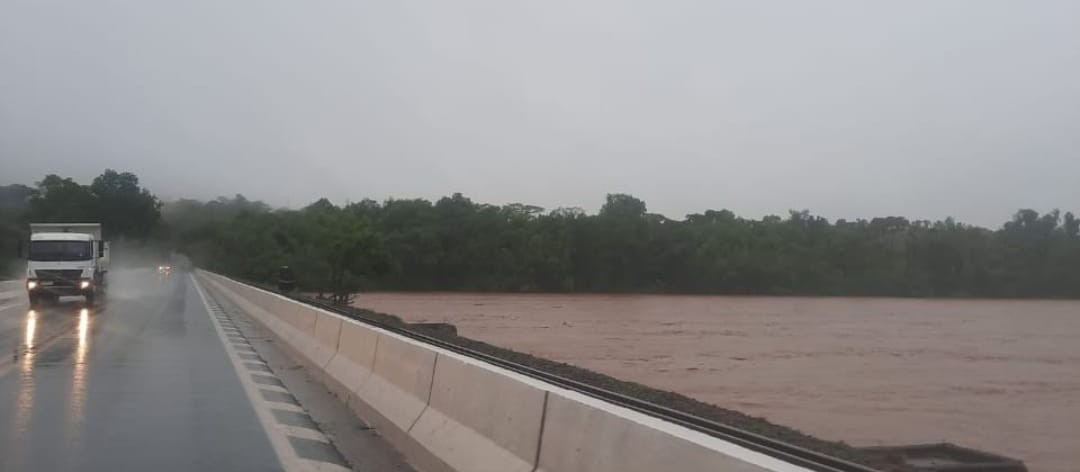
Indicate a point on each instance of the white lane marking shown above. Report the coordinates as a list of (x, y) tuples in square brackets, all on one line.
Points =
[(274, 388), (13, 305), (7, 303), (288, 407), (288, 431), (276, 433), (304, 433)]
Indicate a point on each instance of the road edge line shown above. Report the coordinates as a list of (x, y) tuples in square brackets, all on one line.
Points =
[(282, 448)]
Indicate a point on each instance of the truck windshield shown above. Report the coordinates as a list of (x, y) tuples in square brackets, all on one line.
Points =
[(51, 251)]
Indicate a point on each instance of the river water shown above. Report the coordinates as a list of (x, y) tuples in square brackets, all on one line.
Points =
[(1002, 376)]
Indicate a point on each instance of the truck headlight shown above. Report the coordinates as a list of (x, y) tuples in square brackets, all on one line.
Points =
[(31, 284), (84, 284)]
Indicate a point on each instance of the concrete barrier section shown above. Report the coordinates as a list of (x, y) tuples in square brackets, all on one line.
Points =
[(478, 420), (279, 307), (295, 326), (274, 304), (327, 332), (354, 361), (582, 438), (398, 389), (300, 317)]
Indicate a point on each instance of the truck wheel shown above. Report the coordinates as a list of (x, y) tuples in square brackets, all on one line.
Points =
[(35, 300), (90, 299)]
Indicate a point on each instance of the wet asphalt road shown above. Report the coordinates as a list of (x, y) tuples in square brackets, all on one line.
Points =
[(140, 382)]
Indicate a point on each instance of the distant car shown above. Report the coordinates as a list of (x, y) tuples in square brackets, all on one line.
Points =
[(164, 270)]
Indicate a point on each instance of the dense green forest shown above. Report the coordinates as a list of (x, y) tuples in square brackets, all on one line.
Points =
[(457, 244), (127, 211)]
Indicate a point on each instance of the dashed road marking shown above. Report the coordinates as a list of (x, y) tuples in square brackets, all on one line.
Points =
[(297, 440), (316, 450), (293, 418), (278, 397), (267, 380), (257, 367), (289, 407)]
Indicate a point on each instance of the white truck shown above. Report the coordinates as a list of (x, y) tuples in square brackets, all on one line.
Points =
[(66, 259)]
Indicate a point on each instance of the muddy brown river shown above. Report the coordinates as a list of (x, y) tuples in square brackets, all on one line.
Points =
[(1002, 376)]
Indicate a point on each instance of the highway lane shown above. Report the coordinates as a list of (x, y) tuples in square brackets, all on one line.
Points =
[(10, 289), (142, 382)]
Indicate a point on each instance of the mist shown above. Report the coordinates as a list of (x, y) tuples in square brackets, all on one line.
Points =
[(968, 108)]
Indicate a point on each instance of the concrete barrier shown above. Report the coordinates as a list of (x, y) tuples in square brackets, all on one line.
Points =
[(396, 393), (579, 437), (268, 302), (327, 333), (299, 333), (451, 413), (354, 361), (400, 385), (478, 420)]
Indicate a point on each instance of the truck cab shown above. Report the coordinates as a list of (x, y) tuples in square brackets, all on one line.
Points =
[(65, 261)]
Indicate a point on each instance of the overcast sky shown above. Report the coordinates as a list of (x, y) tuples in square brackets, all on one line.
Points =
[(925, 109)]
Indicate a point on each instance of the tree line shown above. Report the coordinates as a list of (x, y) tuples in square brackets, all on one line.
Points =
[(126, 210), (454, 243), (457, 244)]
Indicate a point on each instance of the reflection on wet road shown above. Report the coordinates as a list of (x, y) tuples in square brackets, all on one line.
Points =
[(140, 382)]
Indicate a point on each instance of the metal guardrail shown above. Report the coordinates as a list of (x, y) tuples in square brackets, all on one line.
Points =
[(813, 460)]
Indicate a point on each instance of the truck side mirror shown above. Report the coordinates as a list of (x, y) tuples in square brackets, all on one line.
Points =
[(101, 249)]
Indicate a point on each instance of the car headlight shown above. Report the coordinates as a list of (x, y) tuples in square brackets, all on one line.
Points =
[(84, 284), (31, 284)]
